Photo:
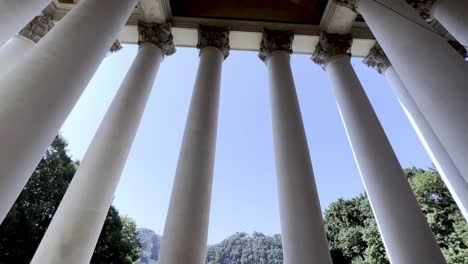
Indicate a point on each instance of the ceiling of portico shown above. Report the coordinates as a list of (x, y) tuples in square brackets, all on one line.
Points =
[(286, 11), (247, 19)]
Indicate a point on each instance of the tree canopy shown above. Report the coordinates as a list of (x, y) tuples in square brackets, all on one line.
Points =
[(27, 222), (352, 231)]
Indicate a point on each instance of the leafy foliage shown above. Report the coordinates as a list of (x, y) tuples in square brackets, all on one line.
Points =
[(244, 249), (352, 231), (27, 222)]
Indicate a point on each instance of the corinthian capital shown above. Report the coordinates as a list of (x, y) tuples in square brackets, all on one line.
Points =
[(157, 34), (423, 7), (377, 59), (217, 37), (330, 46), (37, 28), (275, 40)]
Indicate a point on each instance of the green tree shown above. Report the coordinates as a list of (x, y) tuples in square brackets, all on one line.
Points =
[(27, 221), (353, 233)]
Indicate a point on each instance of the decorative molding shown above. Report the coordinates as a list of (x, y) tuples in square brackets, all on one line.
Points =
[(330, 46), (275, 40), (351, 4), (377, 59), (218, 37), (423, 7), (37, 28), (116, 46), (459, 48), (157, 34)]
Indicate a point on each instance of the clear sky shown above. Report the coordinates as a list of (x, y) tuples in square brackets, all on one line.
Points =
[(244, 192)]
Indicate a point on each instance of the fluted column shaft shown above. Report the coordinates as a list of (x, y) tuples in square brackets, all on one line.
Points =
[(432, 71), (406, 234), (186, 230), (450, 174), (74, 231), (15, 14), (302, 228), (37, 94)]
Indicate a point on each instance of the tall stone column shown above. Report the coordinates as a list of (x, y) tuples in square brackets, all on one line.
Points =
[(449, 172), (452, 14), (75, 228), (432, 71), (18, 46), (14, 15), (186, 231), (405, 232), (303, 232), (37, 94)]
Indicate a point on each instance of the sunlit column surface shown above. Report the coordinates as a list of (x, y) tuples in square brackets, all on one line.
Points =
[(15, 14), (75, 227), (452, 14), (450, 174), (186, 230), (17, 47), (38, 93), (433, 72), (405, 232), (302, 229)]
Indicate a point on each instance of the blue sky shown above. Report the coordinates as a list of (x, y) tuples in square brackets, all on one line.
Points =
[(244, 191)]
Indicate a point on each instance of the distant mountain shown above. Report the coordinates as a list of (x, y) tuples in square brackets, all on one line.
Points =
[(150, 244)]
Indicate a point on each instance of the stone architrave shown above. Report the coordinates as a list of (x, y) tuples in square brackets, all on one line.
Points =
[(186, 230), (303, 232), (405, 232), (449, 172), (38, 93), (74, 231)]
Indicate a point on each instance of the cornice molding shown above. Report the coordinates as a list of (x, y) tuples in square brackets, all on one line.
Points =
[(37, 28), (218, 37), (157, 34), (330, 46), (377, 59)]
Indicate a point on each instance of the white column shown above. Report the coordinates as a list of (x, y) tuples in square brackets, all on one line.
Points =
[(432, 71), (14, 51), (74, 231), (20, 45), (15, 14), (450, 174), (303, 232), (406, 234), (452, 14), (186, 230), (37, 94)]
